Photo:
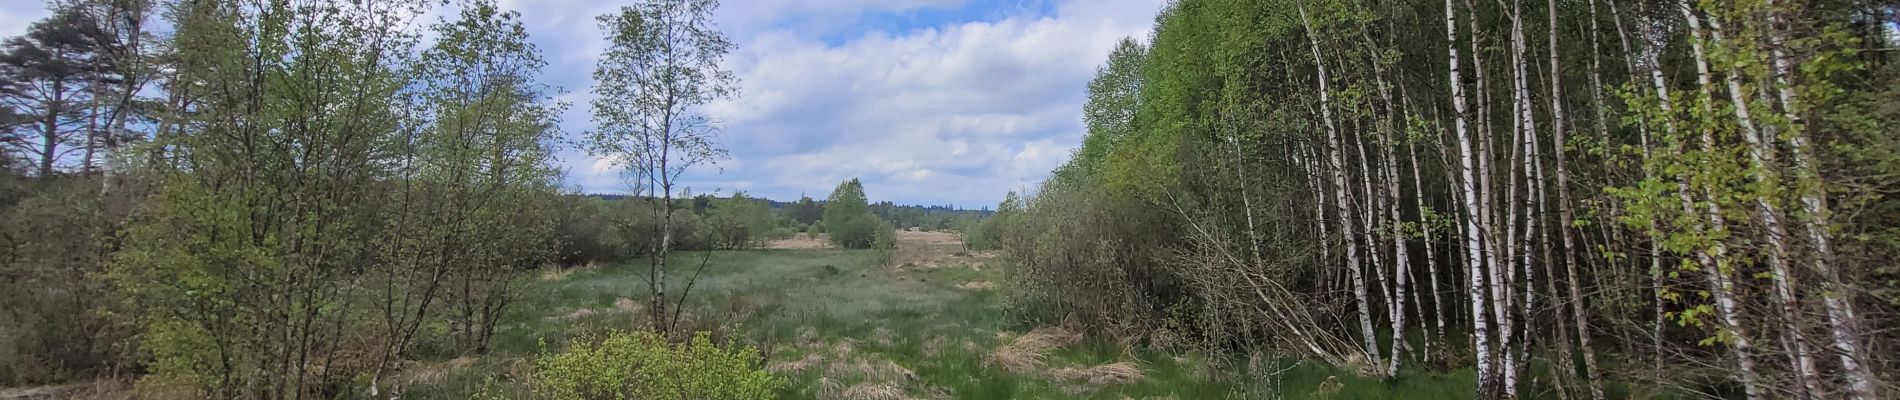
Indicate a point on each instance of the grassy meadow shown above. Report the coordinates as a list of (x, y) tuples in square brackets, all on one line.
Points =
[(927, 323)]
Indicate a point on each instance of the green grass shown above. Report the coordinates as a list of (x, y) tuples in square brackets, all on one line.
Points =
[(809, 305)]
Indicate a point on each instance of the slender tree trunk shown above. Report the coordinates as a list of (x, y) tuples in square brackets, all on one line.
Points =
[(1806, 374), (1643, 63), (657, 268), (1246, 202), (1340, 187), (1843, 322), (92, 130), (1559, 129), (1431, 257), (1475, 260), (49, 130), (1711, 257), (1369, 217), (1579, 317), (1523, 130), (1401, 259)]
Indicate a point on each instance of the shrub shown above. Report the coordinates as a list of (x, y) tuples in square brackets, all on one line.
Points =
[(643, 365), (739, 222), (51, 233), (781, 233), (861, 232), (584, 230)]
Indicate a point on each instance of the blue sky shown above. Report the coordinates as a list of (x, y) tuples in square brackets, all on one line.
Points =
[(926, 101)]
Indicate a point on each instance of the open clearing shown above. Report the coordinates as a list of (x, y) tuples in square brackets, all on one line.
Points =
[(837, 324)]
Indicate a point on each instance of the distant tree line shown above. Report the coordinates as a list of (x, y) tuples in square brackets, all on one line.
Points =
[(611, 228), (1572, 199), (608, 229), (806, 212)]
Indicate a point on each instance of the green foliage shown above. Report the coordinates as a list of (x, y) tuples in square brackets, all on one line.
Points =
[(268, 209), (662, 61), (849, 221), (637, 223), (1114, 98), (860, 232), (585, 232), (740, 222), (806, 211), (987, 233), (644, 365), (50, 246), (846, 202)]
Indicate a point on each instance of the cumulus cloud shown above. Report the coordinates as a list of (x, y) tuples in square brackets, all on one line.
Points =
[(959, 112), (927, 101)]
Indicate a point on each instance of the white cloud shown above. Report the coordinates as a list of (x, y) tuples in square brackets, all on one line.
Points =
[(928, 101), (955, 113), (817, 17)]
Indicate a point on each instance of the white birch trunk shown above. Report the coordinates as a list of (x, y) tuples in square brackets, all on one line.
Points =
[(1339, 195), (1369, 218), (1522, 130), (1469, 197), (1401, 255), (1843, 323), (1637, 66), (1727, 309), (1800, 354), (1578, 317), (1431, 258), (1246, 202)]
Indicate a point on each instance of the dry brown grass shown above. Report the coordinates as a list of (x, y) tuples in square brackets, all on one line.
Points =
[(54, 392), (1328, 388), (1028, 352), (847, 375), (434, 373), (883, 336), (976, 285), (150, 387), (628, 305), (621, 306), (843, 347), (970, 346), (879, 370), (1103, 375), (874, 391), (807, 336), (934, 346), (928, 250), (795, 366), (577, 314), (829, 389), (557, 273), (845, 372), (799, 241)]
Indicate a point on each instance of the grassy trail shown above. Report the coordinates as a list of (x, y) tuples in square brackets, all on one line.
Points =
[(838, 324)]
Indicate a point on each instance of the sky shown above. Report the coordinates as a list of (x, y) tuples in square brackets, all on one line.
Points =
[(928, 102)]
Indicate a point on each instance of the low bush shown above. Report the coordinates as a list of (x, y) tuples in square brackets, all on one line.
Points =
[(780, 233), (643, 365), (861, 232)]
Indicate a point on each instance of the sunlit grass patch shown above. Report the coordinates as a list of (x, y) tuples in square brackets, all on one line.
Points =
[(837, 324)]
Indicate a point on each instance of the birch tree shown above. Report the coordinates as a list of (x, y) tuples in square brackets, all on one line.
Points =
[(661, 65), (1355, 271)]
